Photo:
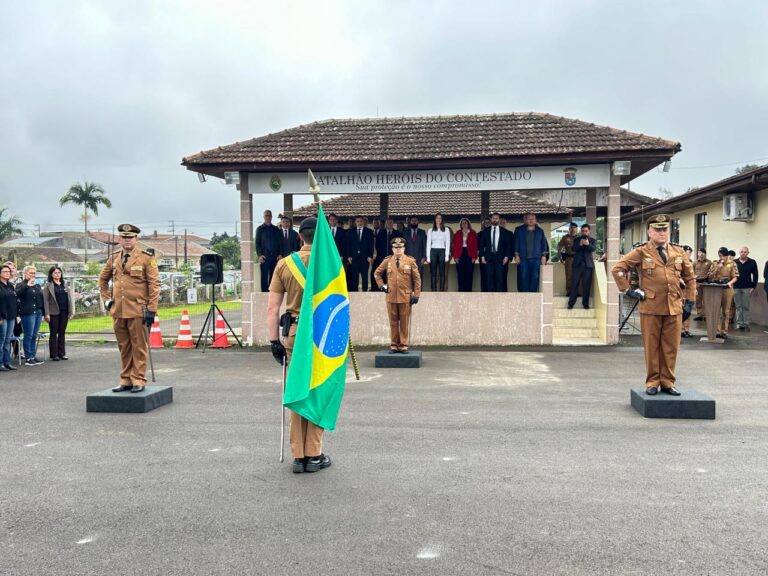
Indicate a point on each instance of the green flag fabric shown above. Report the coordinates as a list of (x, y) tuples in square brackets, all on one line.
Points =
[(318, 369)]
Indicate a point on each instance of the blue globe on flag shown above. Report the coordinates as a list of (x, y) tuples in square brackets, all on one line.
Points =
[(330, 321)]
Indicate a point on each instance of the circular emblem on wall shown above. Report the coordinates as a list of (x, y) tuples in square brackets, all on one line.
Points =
[(275, 183)]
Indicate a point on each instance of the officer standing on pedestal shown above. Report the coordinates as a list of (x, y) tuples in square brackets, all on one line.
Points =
[(667, 286), (132, 303), (403, 290)]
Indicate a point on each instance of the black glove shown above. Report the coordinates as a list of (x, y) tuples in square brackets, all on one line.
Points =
[(384, 288), (278, 351), (108, 304), (149, 318), (687, 309), (414, 299), (636, 293)]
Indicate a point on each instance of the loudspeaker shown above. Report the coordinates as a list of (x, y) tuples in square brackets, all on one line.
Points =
[(211, 269)]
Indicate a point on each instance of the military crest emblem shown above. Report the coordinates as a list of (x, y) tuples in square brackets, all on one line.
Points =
[(275, 183), (570, 176)]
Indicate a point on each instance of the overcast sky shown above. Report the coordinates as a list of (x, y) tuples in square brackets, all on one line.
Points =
[(118, 92)]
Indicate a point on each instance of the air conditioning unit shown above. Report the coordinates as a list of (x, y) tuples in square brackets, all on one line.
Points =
[(738, 207)]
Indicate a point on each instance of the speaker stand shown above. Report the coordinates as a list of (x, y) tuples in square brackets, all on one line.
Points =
[(210, 322)]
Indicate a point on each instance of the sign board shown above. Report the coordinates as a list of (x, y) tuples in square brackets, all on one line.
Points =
[(191, 296), (455, 180)]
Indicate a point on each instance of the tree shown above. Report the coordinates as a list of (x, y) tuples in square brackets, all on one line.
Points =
[(746, 168), (9, 225), (228, 247), (665, 193), (88, 195)]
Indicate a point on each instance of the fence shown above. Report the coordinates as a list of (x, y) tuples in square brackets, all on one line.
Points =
[(177, 293)]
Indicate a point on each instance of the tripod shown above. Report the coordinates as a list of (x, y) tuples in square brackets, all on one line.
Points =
[(210, 322)]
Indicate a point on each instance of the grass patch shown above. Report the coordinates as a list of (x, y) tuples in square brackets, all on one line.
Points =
[(104, 323)]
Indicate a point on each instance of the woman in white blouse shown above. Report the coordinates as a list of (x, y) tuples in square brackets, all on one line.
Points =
[(438, 252)]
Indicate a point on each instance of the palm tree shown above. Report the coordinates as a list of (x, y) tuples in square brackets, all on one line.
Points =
[(9, 225), (88, 195)]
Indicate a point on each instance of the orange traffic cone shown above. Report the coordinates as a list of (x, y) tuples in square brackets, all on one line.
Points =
[(220, 339), (185, 332), (155, 336)]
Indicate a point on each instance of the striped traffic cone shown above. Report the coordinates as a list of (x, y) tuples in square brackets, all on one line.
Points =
[(155, 336), (185, 332), (220, 339)]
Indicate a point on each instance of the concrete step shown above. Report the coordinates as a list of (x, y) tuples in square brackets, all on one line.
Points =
[(558, 332), (566, 322), (560, 341), (575, 313), (562, 302)]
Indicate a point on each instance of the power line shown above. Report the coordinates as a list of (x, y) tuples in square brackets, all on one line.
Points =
[(718, 165)]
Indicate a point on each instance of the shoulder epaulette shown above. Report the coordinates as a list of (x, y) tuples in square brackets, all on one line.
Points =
[(149, 251), (638, 244), (675, 244)]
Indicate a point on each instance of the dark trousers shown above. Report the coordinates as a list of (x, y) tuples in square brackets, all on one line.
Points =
[(581, 279), (437, 265), (464, 271), (58, 325), (528, 274), (374, 265), (496, 273), (267, 269), (483, 278), (359, 270)]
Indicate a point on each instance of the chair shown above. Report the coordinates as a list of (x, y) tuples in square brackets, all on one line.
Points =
[(41, 336)]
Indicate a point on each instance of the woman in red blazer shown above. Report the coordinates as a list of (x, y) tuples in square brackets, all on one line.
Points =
[(464, 252)]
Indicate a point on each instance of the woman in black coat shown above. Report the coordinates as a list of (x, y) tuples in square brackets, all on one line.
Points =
[(8, 316), (59, 306), (30, 297)]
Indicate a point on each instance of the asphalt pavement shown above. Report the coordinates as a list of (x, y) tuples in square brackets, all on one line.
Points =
[(518, 461)]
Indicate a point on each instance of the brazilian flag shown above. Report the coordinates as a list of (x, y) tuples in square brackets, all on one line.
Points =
[(318, 369)]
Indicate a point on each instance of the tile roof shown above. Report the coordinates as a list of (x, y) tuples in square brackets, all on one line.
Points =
[(169, 248), (423, 205), (432, 138), (42, 254)]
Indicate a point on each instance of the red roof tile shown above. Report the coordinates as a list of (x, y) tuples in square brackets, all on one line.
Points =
[(432, 138)]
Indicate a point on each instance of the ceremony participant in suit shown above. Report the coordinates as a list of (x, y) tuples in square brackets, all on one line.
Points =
[(359, 254), (268, 249), (582, 268), (495, 253), (339, 235), (664, 269), (480, 235), (289, 239), (438, 253), (382, 243), (416, 244), (403, 288), (465, 252), (531, 253)]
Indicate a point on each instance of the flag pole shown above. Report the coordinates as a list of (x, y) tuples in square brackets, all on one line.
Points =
[(314, 189)]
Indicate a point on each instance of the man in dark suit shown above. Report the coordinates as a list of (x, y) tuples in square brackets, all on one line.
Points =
[(495, 253), (359, 254), (416, 244), (480, 235), (267, 249), (582, 268), (383, 247), (289, 241), (339, 236)]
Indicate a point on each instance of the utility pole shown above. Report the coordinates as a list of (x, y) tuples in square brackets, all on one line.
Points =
[(173, 227), (236, 222), (176, 240), (185, 246)]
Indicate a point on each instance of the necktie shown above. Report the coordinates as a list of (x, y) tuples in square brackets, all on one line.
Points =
[(493, 239), (359, 233), (397, 262), (125, 258), (662, 253), (413, 234), (285, 233)]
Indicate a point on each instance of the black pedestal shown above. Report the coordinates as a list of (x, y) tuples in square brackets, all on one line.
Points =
[(107, 401), (411, 359), (690, 404)]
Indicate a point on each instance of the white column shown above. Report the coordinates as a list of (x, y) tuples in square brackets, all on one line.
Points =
[(246, 258), (612, 252)]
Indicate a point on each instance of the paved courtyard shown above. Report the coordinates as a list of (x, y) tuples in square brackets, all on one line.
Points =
[(523, 461)]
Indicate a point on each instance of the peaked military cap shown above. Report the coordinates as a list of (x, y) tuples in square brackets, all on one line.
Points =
[(397, 242), (128, 230), (660, 221)]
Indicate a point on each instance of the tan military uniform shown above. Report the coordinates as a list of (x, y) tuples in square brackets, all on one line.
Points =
[(701, 269), (403, 280), (565, 250), (724, 271), (661, 311), (135, 288), (306, 437)]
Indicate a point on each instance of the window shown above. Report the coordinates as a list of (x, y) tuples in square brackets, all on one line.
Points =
[(701, 231), (674, 231)]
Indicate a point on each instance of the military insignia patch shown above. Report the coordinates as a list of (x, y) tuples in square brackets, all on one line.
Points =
[(153, 263)]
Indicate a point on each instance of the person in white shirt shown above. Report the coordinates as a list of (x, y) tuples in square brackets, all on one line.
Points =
[(438, 252)]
